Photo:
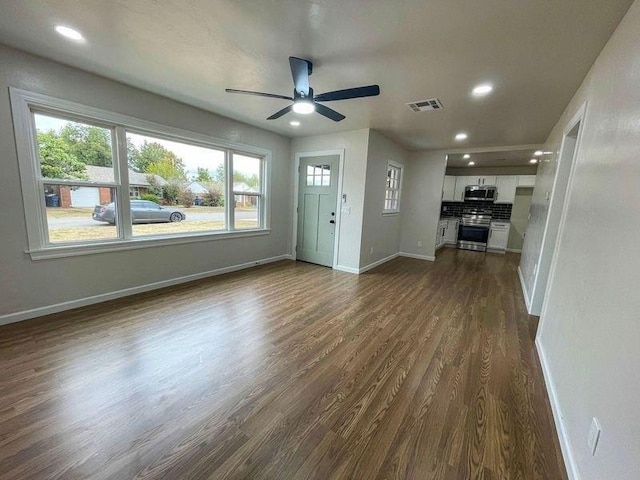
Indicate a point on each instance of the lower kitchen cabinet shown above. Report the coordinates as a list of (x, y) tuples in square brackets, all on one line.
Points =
[(442, 228), (451, 232), (498, 236)]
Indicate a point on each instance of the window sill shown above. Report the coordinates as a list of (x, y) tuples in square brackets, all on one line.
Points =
[(390, 214), (136, 243)]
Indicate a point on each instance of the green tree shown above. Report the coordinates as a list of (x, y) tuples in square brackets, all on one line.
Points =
[(154, 158), (251, 180), (218, 176), (132, 153), (90, 145), (169, 169), (203, 175), (57, 160)]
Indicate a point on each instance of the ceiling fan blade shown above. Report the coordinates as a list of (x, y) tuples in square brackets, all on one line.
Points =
[(300, 70), (358, 92), (329, 113), (280, 113), (257, 94)]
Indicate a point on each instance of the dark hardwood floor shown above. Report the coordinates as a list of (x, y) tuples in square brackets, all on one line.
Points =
[(414, 370)]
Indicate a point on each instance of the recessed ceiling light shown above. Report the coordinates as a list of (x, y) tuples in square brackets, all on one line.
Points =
[(533, 160), (69, 33), (466, 156), (304, 107), (294, 123), (482, 90), (461, 136), (537, 153), (471, 163)]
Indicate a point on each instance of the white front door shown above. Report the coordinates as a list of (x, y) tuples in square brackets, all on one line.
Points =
[(317, 192)]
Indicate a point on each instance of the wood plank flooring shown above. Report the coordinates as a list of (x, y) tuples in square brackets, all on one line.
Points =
[(414, 370)]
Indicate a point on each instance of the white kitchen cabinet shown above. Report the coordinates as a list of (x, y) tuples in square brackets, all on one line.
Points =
[(498, 236), (461, 184), (487, 180), (451, 231), (442, 227), (506, 185), (526, 180), (449, 188)]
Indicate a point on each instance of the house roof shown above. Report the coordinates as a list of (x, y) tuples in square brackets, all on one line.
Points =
[(136, 179), (243, 187)]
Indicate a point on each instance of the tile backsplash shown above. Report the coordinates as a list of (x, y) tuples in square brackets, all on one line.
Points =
[(501, 211)]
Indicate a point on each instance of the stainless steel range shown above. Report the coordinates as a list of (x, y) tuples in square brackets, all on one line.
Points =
[(473, 231)]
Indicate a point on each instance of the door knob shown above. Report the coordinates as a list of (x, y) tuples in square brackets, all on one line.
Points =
[(332, 221)]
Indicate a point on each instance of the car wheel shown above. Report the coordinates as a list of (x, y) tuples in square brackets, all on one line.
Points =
[(175, 217)]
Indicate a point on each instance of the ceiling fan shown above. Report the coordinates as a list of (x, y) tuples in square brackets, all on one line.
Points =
[(303, 99)]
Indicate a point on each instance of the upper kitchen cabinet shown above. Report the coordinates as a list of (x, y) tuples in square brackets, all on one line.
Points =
[(461, 184), (486, 180), (506, 185), (449, 189), (526, 180)]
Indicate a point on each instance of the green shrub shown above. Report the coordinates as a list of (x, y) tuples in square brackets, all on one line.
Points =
[(150, 197)]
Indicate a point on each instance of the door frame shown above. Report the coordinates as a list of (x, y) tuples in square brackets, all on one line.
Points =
[(578, 118), (296, 186)]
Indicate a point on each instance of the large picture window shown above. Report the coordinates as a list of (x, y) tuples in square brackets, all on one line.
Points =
[(95, 180)]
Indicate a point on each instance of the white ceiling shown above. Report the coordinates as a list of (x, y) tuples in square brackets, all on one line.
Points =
[(505, 158), (535, 53)]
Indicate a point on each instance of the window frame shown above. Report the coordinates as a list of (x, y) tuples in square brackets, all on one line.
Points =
[(25, 103), (400, 168)]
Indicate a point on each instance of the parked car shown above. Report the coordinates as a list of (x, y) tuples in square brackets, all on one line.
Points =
[(142, 211)]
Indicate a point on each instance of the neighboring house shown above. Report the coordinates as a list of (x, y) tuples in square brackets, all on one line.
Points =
[(196, 188), (244, 200), (91, 196)]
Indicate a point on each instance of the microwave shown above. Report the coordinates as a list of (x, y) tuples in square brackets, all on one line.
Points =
[(480, 193)]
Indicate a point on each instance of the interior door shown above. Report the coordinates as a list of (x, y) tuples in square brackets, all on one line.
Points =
[(317, 192)]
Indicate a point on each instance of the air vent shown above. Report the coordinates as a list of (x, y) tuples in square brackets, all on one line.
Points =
[(424, 105)]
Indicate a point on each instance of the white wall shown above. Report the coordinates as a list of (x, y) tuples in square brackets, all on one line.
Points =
[(355, 145), (424, 175), (589, 332), (380, 232), (27, 284), (519, 218)]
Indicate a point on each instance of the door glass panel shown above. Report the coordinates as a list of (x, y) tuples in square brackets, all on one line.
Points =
[(319, 175)]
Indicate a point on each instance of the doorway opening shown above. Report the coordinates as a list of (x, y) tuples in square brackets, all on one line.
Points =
[(559, 195)]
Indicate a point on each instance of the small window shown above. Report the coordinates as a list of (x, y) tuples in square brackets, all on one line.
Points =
[(393, 188)]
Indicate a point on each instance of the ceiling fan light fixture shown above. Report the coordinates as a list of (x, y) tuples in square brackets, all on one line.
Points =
[(304, 107)]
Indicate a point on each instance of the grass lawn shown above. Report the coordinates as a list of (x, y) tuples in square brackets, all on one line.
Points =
[(109, 232)]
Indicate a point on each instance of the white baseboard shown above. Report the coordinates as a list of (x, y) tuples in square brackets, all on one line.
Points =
[(514, 250), (565, 445), (103, 297), (378, 262), (419, 257), (342, 268), (523, 285)]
